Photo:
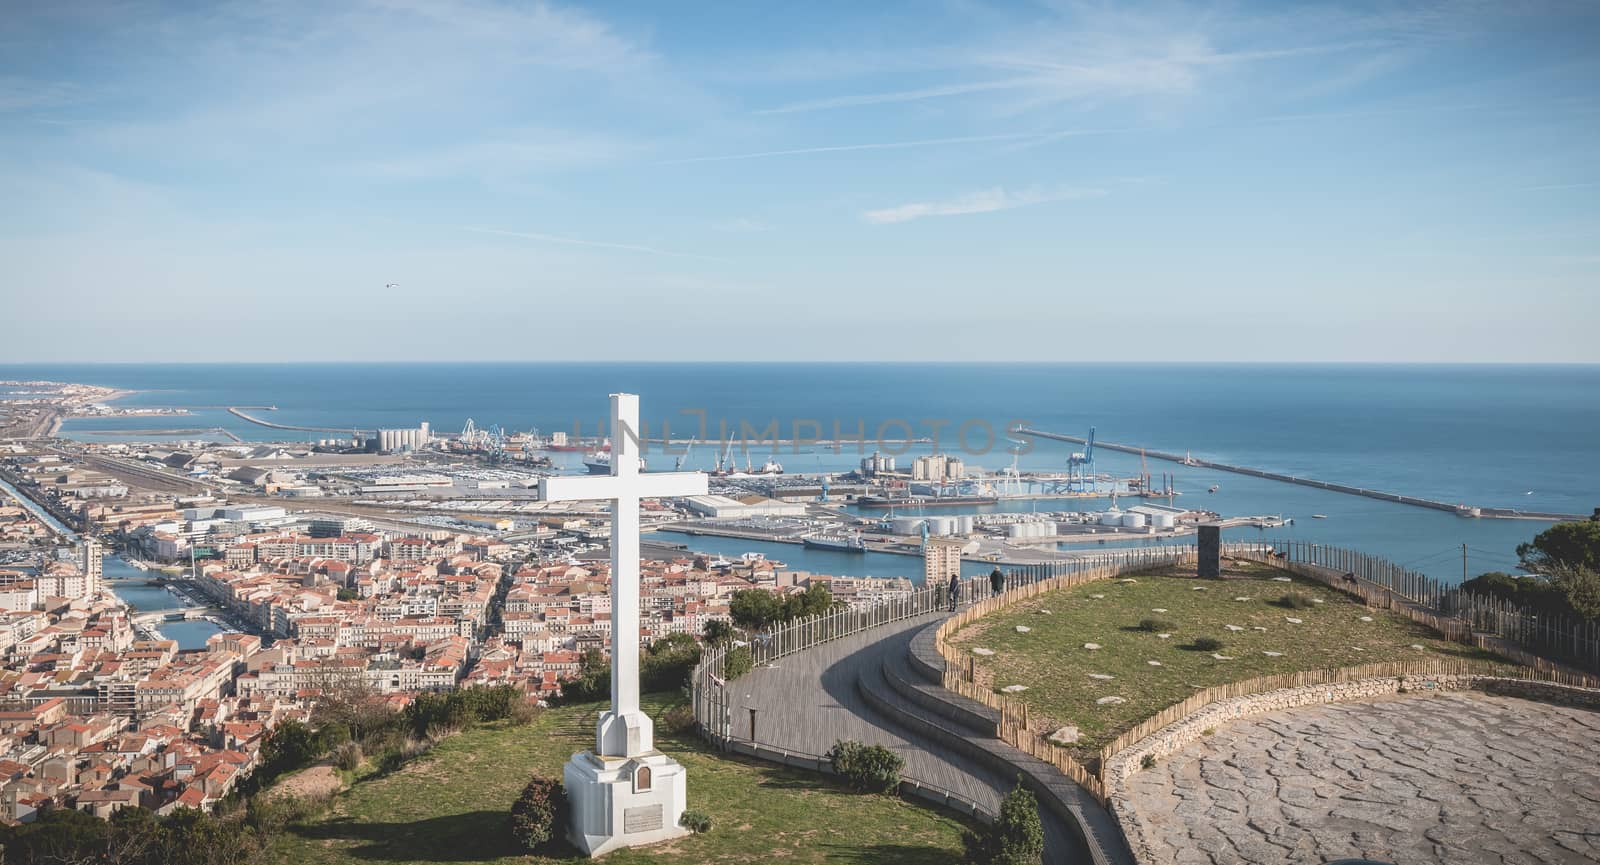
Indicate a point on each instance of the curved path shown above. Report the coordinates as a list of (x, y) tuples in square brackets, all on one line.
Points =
[(809, 700), (1461, 778)]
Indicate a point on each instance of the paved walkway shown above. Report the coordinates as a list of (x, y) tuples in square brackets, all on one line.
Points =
[(809, 700), (1461, 778)]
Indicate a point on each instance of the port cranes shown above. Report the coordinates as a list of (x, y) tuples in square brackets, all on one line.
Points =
[(1080, 467)]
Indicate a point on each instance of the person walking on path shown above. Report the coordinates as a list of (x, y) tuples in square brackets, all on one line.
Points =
[(955, 591), (997, 582)]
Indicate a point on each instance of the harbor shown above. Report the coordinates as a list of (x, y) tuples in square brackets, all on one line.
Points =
[(1463, 510)]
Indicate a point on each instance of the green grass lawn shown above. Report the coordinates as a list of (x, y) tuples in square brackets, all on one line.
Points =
[(451, 805), (1058, 671)]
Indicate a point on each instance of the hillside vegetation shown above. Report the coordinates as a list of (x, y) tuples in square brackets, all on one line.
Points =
[(452, 804)]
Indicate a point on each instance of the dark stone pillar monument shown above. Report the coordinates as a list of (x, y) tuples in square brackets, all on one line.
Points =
[(1211, 551)]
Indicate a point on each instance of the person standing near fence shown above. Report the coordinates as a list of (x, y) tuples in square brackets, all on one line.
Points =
[(997, 582), (955, 591)]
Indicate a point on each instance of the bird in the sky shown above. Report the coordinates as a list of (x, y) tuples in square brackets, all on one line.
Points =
[(391, 285)]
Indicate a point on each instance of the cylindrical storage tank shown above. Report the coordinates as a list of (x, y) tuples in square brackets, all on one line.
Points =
[(941, 525), (965, 524), (1112, 517), (1017, 530), (905, 525), (1164, 521), (1133, 521)]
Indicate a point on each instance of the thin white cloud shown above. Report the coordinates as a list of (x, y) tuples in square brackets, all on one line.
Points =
[(892, 145), (985, 201), (1561, 186), (938, 92), (509, 156), (594, 244)]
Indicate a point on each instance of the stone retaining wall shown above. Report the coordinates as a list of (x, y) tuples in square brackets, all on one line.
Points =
[(1179, 734)]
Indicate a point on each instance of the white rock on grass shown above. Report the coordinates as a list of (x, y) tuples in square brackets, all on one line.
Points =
[(1258, 628), (1128, 580), (1316, 600), (1104, 677), (1273, 654), (1044, 612), (1358, 648), (1282, 580), (1197, 588), (1014, 689), (1292, 620), (982, 652), (1221, 657), (1163, 636), (1418, 646), (1153, 663), (1091, 646), (1111, 701), (1023, 629), (1158, 609), (1366, 618), (1241, 599), (1098, 597), (1233, 627), (1064, 735)]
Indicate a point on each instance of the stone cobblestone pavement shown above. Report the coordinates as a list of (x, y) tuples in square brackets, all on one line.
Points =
[(1462, 778)]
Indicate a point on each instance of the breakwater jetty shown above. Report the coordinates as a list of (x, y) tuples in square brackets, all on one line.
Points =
[(1184, 459), (240, 413)]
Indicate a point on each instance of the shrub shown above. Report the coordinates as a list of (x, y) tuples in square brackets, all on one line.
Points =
[(1148, 761), (871, 768), (1295, 601), (1209, 731), (348, 756), (1207, 644), (539, 814), (697, 822), (678, 719), (1015, 838), (737, 662), (1156, 626)]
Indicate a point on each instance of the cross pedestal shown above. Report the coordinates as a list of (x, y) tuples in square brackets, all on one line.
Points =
[(624, 793)]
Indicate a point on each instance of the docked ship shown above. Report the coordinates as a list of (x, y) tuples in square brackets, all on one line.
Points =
[(851, 543), (599, 463), (929, 502)]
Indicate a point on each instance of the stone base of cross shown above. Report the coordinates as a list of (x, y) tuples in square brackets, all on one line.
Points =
[(624, 793)]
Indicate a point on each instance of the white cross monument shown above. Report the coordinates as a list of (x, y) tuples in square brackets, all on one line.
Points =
[(624, 793)]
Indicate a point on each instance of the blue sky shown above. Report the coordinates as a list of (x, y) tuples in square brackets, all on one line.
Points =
[(1038, 181)]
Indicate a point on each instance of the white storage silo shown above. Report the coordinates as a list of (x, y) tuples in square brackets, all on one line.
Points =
[(1112, 517), (906, 525), (1164, 521), (1133, 521)]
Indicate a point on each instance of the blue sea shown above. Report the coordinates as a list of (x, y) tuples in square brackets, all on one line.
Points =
[(1501, 436)]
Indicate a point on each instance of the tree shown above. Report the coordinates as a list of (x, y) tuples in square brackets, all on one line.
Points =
[(1581, 586), (717, 632), (290, 746), (1571, 545), (1015, 838), (814, 601), (755, 609)]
